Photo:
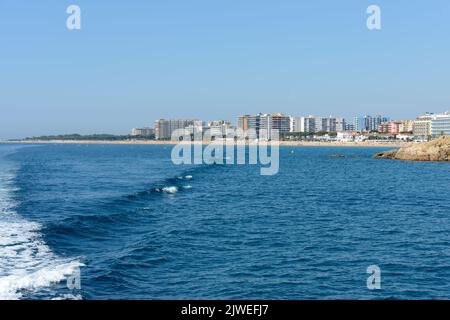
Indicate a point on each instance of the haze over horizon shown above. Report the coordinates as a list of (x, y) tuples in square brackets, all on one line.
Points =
[(133, 63)]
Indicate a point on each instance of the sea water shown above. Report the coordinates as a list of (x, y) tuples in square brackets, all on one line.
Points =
[(133, 225)]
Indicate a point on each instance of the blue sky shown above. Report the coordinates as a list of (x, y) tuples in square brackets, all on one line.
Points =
[(135, 61)]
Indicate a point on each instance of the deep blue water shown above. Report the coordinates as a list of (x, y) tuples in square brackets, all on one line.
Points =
[(309, 232)]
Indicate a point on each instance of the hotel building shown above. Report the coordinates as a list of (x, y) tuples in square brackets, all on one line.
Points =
[(219, 129), (268, 122), (242, 122), (391, 127), (164, 128), (143, 132), (422, 126), (440, 124), (368, 123), (314, 124), (407, 126)]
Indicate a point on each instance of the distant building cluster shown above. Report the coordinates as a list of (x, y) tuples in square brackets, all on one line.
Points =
[(143, 132), (360, 128)]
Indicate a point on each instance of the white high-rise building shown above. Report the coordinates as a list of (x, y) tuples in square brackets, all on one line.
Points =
[(219, 128), (422, 126), (164, 128), (297, 124), (265, 123), (314, 124), (440, 124), (432, 125)]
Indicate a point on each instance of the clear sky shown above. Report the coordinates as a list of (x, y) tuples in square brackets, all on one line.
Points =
[(135, 61)]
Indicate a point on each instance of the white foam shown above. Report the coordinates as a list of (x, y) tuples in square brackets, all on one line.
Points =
[(69, 297), (171, 190), (188, 177), (187, 187), (26, 263), (6, 202), (23, 280)]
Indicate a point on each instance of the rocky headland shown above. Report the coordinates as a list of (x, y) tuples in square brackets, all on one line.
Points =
[(434, 150)]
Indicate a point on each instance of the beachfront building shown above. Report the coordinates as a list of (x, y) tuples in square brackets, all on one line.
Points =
[(372, 123), (164, 128), (407, 126), (219, 123), (306, 124), (254, 126), (431, 124), (280, 122), (313, 124), (143, 132), (242, 122), (368, 123), (267, 122), (195, 130), (332, 124), (440, 124), (291, 124), (296, 124), (349, 127), (422, 126), (357, 124), (391, 127), (329, 124), (405, 137), (219, 129), (336, 124), (345, 136), (263, 131)]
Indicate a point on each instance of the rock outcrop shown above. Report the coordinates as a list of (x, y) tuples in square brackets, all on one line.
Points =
[(435, 150)]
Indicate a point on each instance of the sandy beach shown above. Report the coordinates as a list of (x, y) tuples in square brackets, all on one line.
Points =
[(396, 144)]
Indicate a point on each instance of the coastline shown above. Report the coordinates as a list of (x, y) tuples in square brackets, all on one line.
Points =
[(280, 143)]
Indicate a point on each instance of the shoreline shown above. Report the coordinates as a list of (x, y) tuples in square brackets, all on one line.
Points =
[(280, 143)]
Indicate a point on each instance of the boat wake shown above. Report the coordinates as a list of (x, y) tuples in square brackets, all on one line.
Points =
[(27, 264)]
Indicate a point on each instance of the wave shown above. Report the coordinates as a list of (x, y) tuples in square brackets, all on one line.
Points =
[(172, 185), (27, 264), (122, 210), (168, 186), (170, 190), (174, 189)]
